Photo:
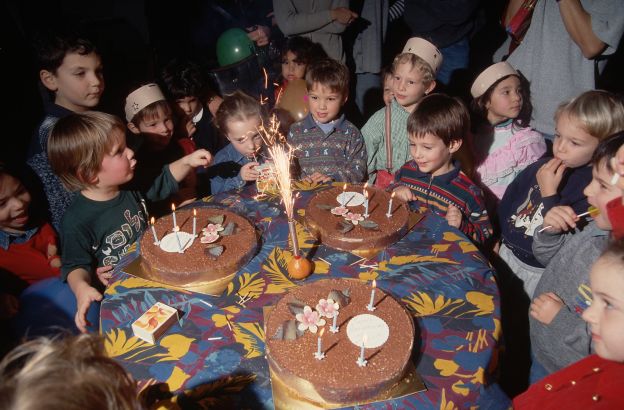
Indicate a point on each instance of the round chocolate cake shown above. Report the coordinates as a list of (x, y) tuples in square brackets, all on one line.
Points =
[(225, 242), (337, 378), (374, 233)]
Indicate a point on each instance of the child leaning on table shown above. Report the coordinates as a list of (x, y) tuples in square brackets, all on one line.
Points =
[(595, 381), (558, 335), (326, 145), (88, 152), (70, 373), (239, 116), (580, 125), (432, 178)]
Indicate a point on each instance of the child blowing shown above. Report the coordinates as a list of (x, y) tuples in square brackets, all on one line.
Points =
[(414, 72), (238, 118), (595, 381), (88, 152), (504, 144), (327, 146), (436, 130), (558, 335), (581, 124)]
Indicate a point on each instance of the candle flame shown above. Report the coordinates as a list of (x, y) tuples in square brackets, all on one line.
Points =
[(173, 207), (152, 220), (366, 194), (392, 196), (365, 185), (374, 283), (321, 332), (344, 187), (194, 212)]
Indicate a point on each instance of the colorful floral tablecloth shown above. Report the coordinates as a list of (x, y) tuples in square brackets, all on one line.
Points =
[(434, 270)]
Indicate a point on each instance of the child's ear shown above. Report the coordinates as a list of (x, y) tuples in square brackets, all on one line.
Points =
[(430, 87), (455, 145), (86, 179), (133, 128), (48, 79)]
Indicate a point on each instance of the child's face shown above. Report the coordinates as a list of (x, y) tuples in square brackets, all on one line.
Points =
[(117, 165), (244, 136), (408, 87), (14, 202), (157, 130), (573, 145), (605, 316), (189, 106), (78, 83), (324, 103), (599, 192), (387, 89), (431, 154), (505, 101), (292, 68)]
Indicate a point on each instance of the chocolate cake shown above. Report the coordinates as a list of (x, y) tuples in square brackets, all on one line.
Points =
[(337, 378), (211, 265), (359, 240)]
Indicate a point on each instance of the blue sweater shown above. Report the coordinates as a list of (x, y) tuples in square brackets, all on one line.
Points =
[(522, 208), (225, 173)]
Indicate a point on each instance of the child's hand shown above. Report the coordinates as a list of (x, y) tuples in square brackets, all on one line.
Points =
[(248, 171), (85, 295), (453, 216), (545, 307), (560, 219), (104, 273), (317, 178), (199, 158), (549, 176), (404, 193), (53, 259)]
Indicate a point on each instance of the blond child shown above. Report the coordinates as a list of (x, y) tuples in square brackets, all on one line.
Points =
[(504, 143), (558, 335), (89, 154), (594, 381), (327, 146), (436, 131), (414, 72), (238, 118), (581, 124)]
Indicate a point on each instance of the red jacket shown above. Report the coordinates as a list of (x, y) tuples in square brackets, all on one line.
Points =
[(593, 383), (29, 260)]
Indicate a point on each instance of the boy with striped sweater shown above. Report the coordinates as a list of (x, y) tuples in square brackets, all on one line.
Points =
[(432, 179)]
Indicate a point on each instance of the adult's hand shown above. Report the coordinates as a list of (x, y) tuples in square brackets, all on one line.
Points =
[(259, 35), (343, 15)]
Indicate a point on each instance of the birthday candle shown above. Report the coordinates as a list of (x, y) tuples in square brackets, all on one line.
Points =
[(364, 191), (194, 222), (319, 354), (370, 305), (366, 204), (344, 194), (175, 222), (361, 359), (156, 241), (389, 214), (335, 320)]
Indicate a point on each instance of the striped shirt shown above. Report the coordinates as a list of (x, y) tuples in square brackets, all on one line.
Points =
[(435, 194), (340, 154)]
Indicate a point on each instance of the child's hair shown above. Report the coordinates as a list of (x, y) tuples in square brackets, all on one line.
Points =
[(607, 149), (329, 73), (416, 62), (65, 374), (237, 106), (440, 115), (479, 104), (78, 144), (600, 113), (385, 72), (305, 50), (183, 78), (51, 49)]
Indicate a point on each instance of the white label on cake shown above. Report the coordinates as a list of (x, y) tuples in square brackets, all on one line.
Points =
[(169, 243), (350, 198), (375, 329)]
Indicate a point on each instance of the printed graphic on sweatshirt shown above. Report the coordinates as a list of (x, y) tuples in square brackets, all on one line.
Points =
[(117, 243), (528, 215)]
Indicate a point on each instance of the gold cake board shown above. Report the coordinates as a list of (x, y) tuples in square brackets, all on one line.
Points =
[(214, 287), (285, 399)]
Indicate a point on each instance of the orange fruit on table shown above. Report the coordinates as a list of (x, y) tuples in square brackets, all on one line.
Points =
[(299, 267)]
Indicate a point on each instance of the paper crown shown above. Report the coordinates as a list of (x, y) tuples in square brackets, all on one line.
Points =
[(141, 98), (489, 76), (425, 50)]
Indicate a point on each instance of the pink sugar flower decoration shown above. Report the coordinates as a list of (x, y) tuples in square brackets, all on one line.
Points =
[(327, 308), (354, 218), (209, 237), (309, 320), (340, 210), (212, 228)]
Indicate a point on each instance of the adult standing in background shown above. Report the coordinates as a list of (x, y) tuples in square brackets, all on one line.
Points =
[(560, 49), (448, 24), (322, 21)]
